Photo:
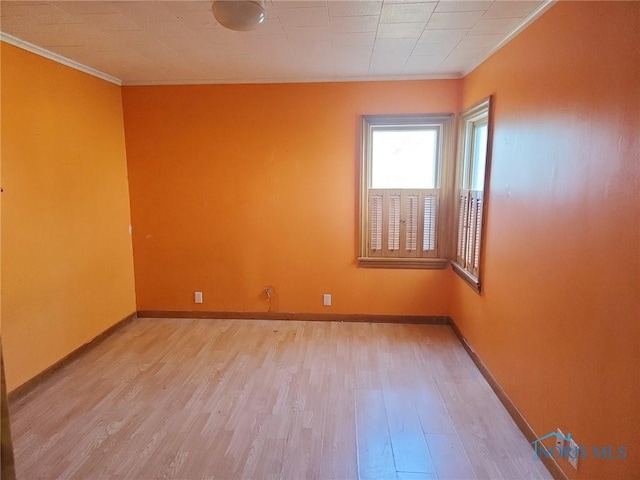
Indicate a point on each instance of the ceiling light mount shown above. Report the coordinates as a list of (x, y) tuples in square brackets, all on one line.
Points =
[(239, 15)]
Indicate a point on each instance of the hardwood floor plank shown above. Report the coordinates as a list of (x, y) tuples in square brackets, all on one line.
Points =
[(434, 417), (338, 447), (410, 451), (375, 455), (449, 457), (416, 476), (252, 399)]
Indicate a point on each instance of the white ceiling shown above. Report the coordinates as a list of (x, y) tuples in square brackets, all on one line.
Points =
[(174, 42)]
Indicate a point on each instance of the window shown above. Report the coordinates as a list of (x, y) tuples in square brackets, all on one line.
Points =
[(403, 208), (472, 184)]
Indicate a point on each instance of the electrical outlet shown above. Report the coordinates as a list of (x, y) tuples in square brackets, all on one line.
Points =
[(573, 454), (326, 299), (197, 297)]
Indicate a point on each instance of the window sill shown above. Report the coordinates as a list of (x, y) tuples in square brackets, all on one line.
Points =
[(425, 263), (472, 280)]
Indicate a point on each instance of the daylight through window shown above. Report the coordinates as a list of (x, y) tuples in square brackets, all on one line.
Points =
[(404, 161)]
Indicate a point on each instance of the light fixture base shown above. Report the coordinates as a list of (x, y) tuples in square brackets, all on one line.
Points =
[(239, 15)]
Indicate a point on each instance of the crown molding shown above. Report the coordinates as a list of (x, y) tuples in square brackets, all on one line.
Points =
[(5, 37), (275, 81), (537, 13), (96, 73)]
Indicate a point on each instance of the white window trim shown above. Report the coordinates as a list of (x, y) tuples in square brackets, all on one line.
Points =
[(445, 122), (469, 118)]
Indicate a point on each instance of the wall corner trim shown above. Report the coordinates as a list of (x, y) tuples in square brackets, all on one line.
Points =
[(526, 429), (16, 42)]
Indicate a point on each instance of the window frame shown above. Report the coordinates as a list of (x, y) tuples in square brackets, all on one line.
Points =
[(444, 184), (477, 114)]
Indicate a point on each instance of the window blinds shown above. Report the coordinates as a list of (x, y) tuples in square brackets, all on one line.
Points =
[(470, 205), (393, 202), (375, 221), (402, 223), (411, 224)]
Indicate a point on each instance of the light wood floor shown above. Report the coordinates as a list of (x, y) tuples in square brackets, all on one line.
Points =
[(243, 399)]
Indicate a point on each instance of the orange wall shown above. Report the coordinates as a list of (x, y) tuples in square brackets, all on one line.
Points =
[(236, 187), (67, 265), (558, 323)]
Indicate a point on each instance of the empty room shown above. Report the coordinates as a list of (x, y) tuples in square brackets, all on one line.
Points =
[(327, 239)]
